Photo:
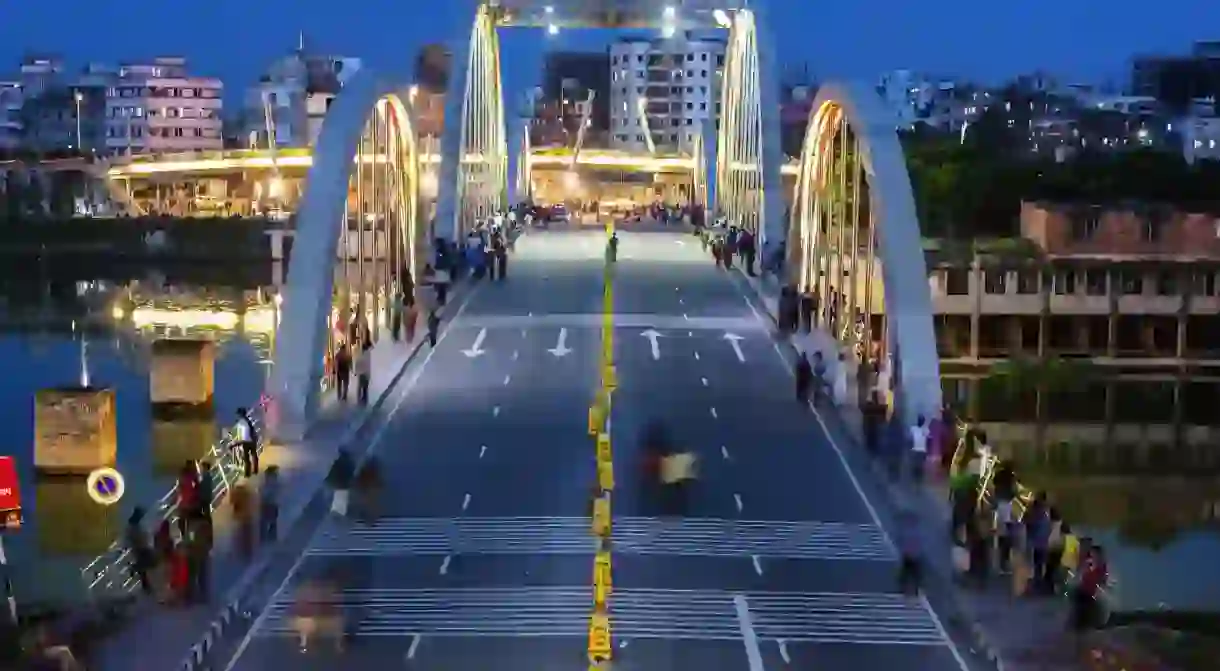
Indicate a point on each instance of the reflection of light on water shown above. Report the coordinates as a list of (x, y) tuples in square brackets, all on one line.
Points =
[(257, 319)]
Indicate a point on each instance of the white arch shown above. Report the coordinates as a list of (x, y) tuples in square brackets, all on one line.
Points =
[(904, 273), (749, 153), (301, 338), (474, 140)]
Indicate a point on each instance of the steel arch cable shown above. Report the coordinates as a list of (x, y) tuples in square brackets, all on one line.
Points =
[(739, 156)]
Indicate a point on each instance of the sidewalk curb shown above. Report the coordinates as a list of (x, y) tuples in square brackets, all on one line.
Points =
[(235, 598), (980, 644)]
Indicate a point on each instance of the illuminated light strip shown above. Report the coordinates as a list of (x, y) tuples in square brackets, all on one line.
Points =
[(600, 644), (305, 162)]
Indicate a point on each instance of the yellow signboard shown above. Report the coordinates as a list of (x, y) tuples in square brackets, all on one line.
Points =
[(610, 378), (603, 448), (601, 516), (600, 650), (605, 476), (602, 581)]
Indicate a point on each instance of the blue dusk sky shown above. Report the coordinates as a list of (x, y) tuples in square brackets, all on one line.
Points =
[(1085, 40)]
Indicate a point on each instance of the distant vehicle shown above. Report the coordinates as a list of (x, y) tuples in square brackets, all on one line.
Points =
[(559, 212)]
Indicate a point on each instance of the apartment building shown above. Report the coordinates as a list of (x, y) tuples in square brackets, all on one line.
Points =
[(11, 99), (914, 97), (291, 99), (1123, 285), (664, 91), (160, 107)]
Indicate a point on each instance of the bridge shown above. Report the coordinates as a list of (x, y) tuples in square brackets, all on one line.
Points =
[(514, 523)]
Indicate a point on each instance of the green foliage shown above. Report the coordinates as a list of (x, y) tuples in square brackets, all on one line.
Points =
[(1054, 374)]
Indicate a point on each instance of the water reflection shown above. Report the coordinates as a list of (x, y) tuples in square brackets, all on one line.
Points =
[(1133, 460), (44, 322)]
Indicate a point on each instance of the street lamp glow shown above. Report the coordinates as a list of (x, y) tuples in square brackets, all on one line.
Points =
[(552, 29), (668, 30), (670, 12), (722, 18)]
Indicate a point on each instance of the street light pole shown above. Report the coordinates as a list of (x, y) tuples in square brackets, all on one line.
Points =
[(79, 98)]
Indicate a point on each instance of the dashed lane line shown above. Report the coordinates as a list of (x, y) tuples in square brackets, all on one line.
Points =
[(704, 380), (737, 500), (714, 415), (495, 412), (516, 354), (724, 452), (507, 379), (482, 451), (757, 564), (445, 564), (466, 502)]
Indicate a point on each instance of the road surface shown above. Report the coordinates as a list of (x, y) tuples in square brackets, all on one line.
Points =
[(483, 556)]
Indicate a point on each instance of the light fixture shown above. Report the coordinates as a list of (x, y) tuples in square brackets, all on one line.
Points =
[(552, 29), (722, 18)]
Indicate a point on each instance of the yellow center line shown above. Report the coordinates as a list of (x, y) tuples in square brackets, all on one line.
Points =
[(600, 647)]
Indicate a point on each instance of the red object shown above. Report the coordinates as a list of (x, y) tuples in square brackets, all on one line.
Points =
[(10, 490), (180, 573)]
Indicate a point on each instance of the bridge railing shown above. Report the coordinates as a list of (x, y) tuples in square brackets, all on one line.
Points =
[(110, 574)]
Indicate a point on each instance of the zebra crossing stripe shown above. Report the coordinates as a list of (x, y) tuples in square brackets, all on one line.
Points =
[(855, 618), (630, 535)]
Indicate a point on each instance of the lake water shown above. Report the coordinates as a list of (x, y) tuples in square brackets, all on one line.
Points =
[(1112, 457), (64, 528)]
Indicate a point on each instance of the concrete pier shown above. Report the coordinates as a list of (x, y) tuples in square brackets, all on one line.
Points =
[(75, 430), (182, 372), (69, 521)]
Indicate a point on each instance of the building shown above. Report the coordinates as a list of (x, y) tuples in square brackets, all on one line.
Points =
[(663, 92), (432, 65), (11, 99), (292, 98), (1200, 138), (1122, 286), (160, 107), (577, 85), (61, 113), (1178, 80), (913, 97)]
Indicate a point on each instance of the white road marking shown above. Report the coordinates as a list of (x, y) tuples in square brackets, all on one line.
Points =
[(748, 636), (516, 354), (681, 301), (495, 412), (783, 651), (690, 334), (868, 504), (714, 413), (696, 356), (466, 502), (482, 451), (414, 646), (757, 565), (507, 379), (686, 316), (374, 442), (737, 500), (445, 564), (724, 452), (523, 334), (704, 380)]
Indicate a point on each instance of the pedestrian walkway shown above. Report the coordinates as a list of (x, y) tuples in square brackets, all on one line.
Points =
[(158, 636), (702, 537), (1013, 633), (707, 615)]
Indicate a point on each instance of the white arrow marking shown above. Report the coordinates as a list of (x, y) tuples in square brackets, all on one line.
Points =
[(561, 347), (783, 651), (735, 342), (466, 503), (477, 348), (654, 340)]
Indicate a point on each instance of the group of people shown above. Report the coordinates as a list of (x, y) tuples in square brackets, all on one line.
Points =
[(1022, 537), (726, 242), (173, 564)]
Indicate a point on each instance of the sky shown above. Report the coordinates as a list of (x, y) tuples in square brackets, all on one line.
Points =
[(1081, 40)]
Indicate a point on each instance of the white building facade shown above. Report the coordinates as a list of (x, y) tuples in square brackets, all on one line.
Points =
[(159, 107), (292, 98), (664, 91)]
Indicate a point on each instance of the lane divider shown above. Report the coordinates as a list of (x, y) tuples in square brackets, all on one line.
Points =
[(601, 646)]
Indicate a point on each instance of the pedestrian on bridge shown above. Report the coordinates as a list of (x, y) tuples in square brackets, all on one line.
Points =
[(434, 326), (364, 369)]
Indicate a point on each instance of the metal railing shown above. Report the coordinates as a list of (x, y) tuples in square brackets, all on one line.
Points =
[(110, 573)]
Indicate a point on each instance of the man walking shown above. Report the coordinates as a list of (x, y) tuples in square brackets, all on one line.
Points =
[(247, 442)]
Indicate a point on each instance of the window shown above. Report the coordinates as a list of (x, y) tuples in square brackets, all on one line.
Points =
[(1203, 283), (1095, 282), (1131, 283), (703, 73), (1086, 225), (1065, 282), (703, 57), (1151, 230), (957, 282), (1166, 283), (995, 281), (1027, 282), (703, 106)]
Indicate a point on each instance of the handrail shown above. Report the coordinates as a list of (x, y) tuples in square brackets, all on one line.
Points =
[(110, 573)]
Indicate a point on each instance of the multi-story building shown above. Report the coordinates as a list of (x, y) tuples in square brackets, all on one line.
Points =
[(60, 113), (293, 96), (159, 107), (1179, 80), (1200, 137), (11, 99), (914, 97), (578, 84), (664, 88), (1125, 286)]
